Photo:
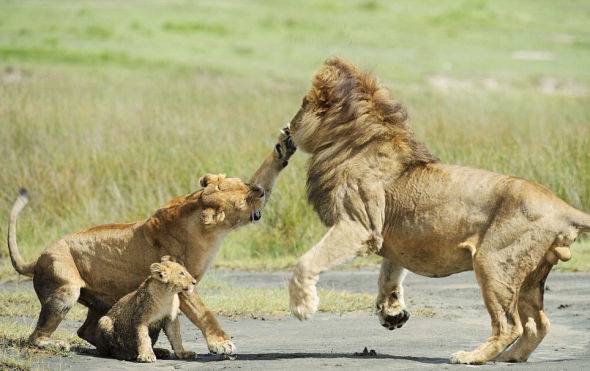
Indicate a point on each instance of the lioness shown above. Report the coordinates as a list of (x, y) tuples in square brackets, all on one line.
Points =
[(98, 266), (130, 329), (381, 191)]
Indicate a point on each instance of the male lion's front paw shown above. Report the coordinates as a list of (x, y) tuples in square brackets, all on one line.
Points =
[(303, 301), (392, 318), (146, 358), (466, 358), (285, 148), (185, 354), (222, 347)]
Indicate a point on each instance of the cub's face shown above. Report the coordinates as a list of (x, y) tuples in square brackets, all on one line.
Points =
[(229, 202), (173, 275)]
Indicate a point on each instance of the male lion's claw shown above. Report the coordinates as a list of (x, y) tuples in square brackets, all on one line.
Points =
[(222, 347)]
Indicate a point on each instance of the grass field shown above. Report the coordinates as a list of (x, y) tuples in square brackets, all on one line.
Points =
[(109, 108)]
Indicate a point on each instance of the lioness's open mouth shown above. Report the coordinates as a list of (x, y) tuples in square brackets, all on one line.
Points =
[(255, 216)]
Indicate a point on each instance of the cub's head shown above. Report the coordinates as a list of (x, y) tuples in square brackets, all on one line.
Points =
[(229, 202), (173, 275)]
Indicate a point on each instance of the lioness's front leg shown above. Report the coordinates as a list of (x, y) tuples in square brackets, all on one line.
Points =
[(344, 241), (196, 311), (390, 305), (269, 170)]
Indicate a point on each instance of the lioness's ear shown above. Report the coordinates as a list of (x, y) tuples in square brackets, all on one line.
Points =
[(167, 258), (211, 216), (159, 272), (210, 178)]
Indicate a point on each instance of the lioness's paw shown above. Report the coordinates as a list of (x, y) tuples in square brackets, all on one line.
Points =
[(285, 148), (511, 357), (222, 347), (146, 358), (303, 301), (47, 343), (185, 354), (161, 353), (466, 358)]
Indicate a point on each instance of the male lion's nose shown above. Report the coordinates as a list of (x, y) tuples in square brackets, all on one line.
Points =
[(257, 190)]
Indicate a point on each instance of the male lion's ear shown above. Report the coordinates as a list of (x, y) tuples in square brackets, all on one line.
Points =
[(159, 272), (211, 216)]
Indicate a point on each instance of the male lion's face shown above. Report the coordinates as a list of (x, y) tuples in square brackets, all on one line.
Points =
[(326, 101), (173, 275), (229, 201)]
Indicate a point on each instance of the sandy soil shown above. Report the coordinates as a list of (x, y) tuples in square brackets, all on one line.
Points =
[(337, 341)]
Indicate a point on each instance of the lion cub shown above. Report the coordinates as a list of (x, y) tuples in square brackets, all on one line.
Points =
[(129, 330)]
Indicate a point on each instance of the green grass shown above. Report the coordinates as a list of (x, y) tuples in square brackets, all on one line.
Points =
[(221, 297), (108, 109), (15, 352)]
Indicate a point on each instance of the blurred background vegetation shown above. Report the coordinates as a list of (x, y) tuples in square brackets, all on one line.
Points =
[(110, 108)]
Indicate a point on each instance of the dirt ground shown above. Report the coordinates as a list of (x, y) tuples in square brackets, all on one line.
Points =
[(460, 322)]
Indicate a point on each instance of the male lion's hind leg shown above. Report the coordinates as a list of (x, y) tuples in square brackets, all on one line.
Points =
[(536, 323), (500, 294), (343, 242), (54, 308), (390, 306)]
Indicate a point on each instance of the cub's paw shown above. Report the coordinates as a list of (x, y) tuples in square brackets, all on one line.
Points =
[(146, 358), (185, 354), (466, 358), (222, 347), (285, 148)]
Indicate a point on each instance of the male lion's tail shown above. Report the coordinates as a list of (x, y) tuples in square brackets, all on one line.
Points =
[(17, 261)]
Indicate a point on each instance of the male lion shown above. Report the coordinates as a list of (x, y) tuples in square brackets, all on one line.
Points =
[(98, 266), (381, 191), (130, 329)]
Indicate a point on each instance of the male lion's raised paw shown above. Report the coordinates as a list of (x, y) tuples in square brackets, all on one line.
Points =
[(185, 354), (222, 347), (466, 358), (392, 319), (146, 358)]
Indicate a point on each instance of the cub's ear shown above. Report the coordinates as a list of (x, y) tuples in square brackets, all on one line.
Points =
[(210, 178), (159, 272), (168, 258), (211, 216)]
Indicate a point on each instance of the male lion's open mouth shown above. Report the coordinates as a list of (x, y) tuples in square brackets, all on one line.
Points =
[(255, 216)]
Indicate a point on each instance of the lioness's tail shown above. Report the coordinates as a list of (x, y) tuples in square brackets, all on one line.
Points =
[(17, 261)]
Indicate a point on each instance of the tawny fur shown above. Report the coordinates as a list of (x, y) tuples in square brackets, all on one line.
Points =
[(130, 328), (381, 191), (98, 266)]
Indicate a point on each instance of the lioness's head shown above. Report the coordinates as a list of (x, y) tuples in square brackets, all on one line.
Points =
[(341, 93), (229, 201), (173, 275)]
